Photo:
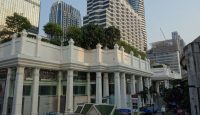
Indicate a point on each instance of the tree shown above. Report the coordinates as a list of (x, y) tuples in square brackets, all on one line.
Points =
[(92, 35), (14, 24), (5, 34), (76, 34), (112, 35), (128, 48), (17, 23), (53, 30), (179, 95), (144, 94), (152, 92)]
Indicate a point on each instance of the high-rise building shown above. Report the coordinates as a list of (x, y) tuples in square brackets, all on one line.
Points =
[(64, 15), (167, 52), (119, 13), (138, 6), (27, 8)]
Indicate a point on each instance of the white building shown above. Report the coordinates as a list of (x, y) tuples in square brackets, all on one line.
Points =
[(118, 13), (27, 8), (162, 73), (38, 77)]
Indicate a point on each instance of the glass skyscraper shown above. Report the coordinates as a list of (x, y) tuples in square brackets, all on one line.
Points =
[(27, 8), (64, 15)]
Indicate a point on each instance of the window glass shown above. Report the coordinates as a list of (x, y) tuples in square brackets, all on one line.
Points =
[(26, 90), (93, 89), (64, 90), (81, 76), (47, 90), (79, 90), (111, 89)]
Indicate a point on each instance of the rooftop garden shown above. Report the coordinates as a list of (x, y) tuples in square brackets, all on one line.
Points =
[(87, 36)]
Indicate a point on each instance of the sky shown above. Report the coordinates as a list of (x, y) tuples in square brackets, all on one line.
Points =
[(170, 15)]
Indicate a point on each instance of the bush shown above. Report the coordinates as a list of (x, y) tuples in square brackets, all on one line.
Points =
[(5, 40), (54, 41), (128, 48), (45, 40)]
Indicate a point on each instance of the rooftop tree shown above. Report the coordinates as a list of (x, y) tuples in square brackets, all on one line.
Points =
[(53, 30), (17, 23), (14, 24)]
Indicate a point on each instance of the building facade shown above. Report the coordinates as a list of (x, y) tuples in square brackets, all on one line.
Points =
[(64, 15), (162, 75), (34, 82), (119, 13), (167, 52), (27, 8), (191, 64)]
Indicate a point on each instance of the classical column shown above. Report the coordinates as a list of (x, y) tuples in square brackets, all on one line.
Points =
[(98, 88), (69, 93), (140, 89), (88, 87), (6, 94), (123, 90), (17, 99), (133, 91), (147, 84), (59, 87), (106, 86), (150, 82), (117, 90), (140, 84), (166, 84), (158, 87), (35, 90)]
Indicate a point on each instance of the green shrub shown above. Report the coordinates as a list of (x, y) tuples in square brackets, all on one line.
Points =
[(5, 40), (128, 48)]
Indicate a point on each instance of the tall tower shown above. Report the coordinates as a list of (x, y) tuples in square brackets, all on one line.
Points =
[(27, 8), (118, 13), (138, 6), (64, 15)]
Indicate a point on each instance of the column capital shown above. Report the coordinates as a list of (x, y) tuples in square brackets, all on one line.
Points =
[(70, 72), (133, 76), (116, 72), (20, 70), (9, 71), (98, 74), (123, 74)]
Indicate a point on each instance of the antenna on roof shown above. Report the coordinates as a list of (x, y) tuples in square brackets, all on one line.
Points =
[(162, 33)]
